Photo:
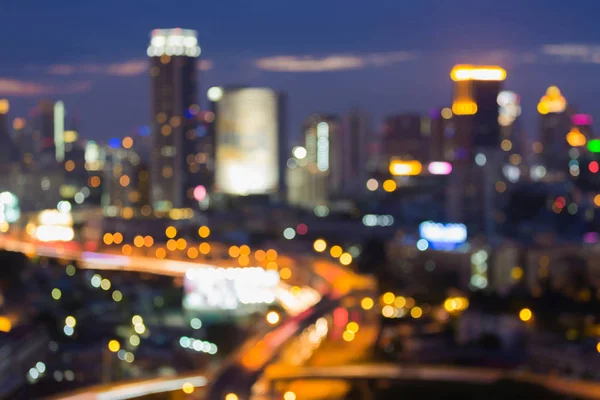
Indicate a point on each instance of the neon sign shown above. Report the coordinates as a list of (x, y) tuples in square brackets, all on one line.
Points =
[(443, 236)]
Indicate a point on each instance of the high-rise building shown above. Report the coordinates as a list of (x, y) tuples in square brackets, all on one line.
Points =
[(405, 136), (441, 144), (477, 154), (555, 123), (45, 127), (7, 148), (173, 54), (324, 155), (355, 149), (249, 142), (475, 107)]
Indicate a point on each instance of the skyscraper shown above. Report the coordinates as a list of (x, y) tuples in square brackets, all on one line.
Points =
[(173, 54), (324, 155), (555, 123), (477, 153), (249, 141), (6, 143), (355, 149), (405, 136), (45, 127)]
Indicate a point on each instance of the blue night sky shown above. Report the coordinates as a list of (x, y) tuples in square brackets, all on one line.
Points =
[(386, 56)]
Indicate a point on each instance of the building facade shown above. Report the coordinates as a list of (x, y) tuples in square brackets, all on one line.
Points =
[(173, 54)]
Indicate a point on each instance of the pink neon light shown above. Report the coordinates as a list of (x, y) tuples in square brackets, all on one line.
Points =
[(582, 119), (439, 168)]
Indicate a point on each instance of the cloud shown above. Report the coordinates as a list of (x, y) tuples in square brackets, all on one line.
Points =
[(126, 68), (573, 52), (20, 88), (334, 62)]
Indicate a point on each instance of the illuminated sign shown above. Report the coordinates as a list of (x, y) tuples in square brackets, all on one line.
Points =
[(9, 207), (582, 119), (477, 73), (575, 138), (443, 236), (405, 168), (594, 145), (239, 289), (247, 129), (439, 168), (464, 107), (552, 102)]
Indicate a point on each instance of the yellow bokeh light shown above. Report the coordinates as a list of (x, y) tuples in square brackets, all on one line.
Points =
[(244, 261), (127, 249), (260, 255), (69, 165), (464, 107), (4, 106), (416, 312), (245, 250), (525, 314), (181, 244), (575, 138), (285, 273), (114, 346), (367, 303), (118, 238), (345, 259), (388, 298), (187, 388), (352, 327), (234, 251), (389, 185), (171, 244), (5, 325), (336, 251), (477, 73), (138, 241), (449, 305), (231, 396), (272, 317), (161, 253), (204, 248), (320, 245), (108, 238), (405, 168), (400, 301), (271, 255), (148, 241), (552, 102), (516, 273), (289, 396), (446, 113), (506, 145), (124, 181), (204, 232), (192, 253), (348, 336), (70, 321), (388, 311), (171, 232), (127, 142)]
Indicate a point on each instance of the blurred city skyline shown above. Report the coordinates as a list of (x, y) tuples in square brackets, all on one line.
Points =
[(328, 57)]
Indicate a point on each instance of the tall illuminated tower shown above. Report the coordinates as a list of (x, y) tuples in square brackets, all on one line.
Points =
[(555, 123), (324, 158), (174, 172), (477, 153), (45, 126)]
